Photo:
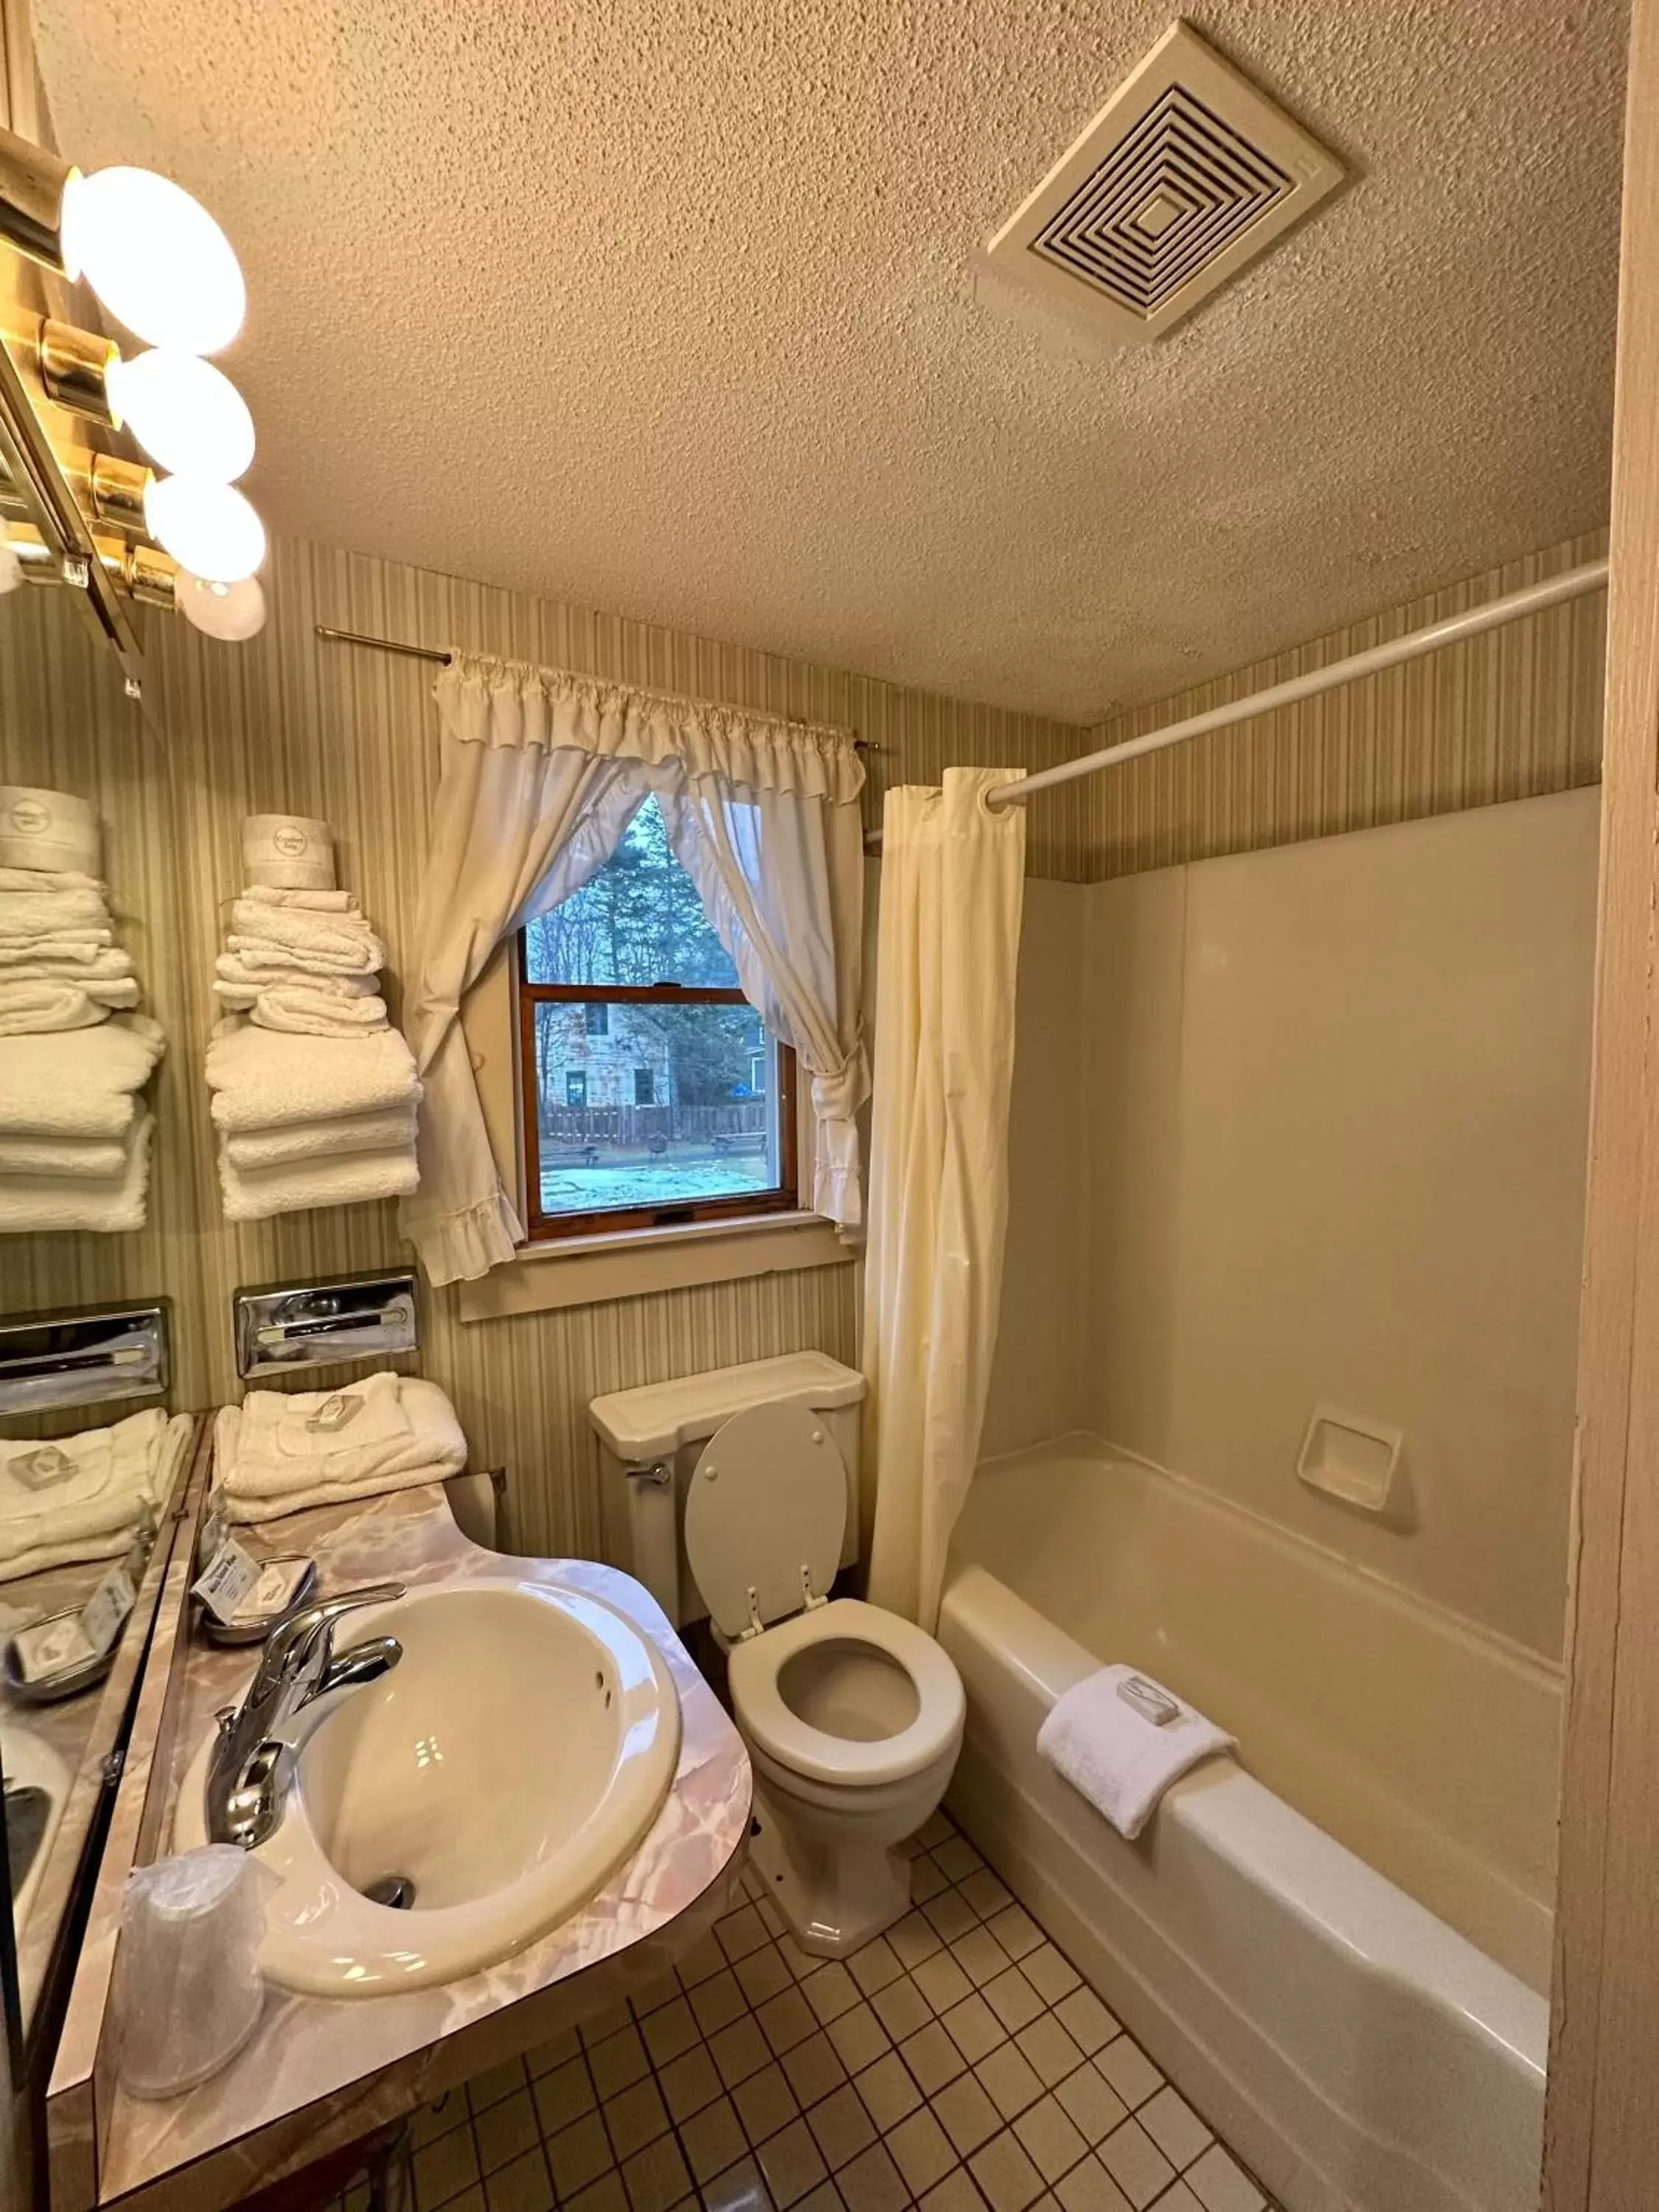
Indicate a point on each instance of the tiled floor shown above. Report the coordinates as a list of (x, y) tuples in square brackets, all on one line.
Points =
[(959, 2063)]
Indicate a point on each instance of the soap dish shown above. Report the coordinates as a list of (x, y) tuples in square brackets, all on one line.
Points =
[(63, 1681), (251, 1624)]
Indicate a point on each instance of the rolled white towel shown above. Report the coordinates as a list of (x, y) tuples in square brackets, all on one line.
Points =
[(25, 914), (239, 981), (263, 955), (347, 1179), (299, 1012), (78, 1083), (262, 1080), (394, 1130), (1121, 1739), (30, 1204), (304, 902), (97, 1157)]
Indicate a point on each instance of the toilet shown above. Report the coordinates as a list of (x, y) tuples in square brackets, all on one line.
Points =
[(734, 1494)]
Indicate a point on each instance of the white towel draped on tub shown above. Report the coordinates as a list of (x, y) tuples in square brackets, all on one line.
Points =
[(1103, 1735)]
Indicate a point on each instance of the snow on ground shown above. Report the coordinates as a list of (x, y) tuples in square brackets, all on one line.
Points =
[(649, 1182)]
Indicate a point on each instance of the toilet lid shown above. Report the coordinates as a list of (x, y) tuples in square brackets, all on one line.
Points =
[(768, 1498)]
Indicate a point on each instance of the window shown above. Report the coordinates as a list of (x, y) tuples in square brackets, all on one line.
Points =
[(652, 1093)]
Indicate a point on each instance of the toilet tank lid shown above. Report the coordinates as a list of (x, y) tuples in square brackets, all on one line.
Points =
[(653, 1421)]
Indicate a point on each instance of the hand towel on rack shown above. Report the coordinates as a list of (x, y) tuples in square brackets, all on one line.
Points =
[(234, 980), (32, 1204), (298, 1011), (78, 1083), (390, 1131), (1103, 1735), (335, 937), (96, 1157), (348, 1179), (262, 1080)]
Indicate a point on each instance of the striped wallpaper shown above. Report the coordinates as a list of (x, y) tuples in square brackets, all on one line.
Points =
[(291, 724)]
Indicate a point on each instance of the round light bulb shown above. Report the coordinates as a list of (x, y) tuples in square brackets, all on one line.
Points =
[(155, 257), (188, 415), (230, 611), (209, 528)]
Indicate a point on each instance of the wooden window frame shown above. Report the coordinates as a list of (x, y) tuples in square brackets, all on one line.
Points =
[(549, 1228)]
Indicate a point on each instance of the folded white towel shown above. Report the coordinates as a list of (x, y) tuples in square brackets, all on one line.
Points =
[(264, 956), (340, 936), (50, 879), (97, 1156), (1103, 1735), (102, 964), (43, 914), (267, 1456), (394, 1130), (32, 1204), (264, 1081), (297, 1012), (76, 947), (79, 1083), (36, 1007), (167, 1456), (112, 1482), (240, 981), (306, 902), (348, 1179)]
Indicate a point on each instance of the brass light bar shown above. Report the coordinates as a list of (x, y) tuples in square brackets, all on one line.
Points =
[(32, 182)]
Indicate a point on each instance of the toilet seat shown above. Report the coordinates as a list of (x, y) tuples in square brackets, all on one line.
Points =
[(765, 1514), (752, 1676)]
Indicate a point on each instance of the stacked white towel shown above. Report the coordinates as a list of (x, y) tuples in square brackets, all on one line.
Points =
[(69, 1073), (279, 1452), (83, 1497), (314, 1092)]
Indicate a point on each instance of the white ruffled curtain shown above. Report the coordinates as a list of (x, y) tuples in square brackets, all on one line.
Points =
[(542, 771), (952, 885)]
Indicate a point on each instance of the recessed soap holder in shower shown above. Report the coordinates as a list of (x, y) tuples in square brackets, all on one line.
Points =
[(1357, 1461)]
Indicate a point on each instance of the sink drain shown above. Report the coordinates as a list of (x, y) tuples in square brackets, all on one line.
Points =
[(396, 1890)]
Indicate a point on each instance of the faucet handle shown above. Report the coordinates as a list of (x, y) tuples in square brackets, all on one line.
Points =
[(292, 1639)]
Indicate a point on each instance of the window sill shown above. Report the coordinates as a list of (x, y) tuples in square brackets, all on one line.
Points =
[(579, 1271)]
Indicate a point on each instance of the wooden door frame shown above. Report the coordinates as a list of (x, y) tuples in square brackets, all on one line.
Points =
[(1602, 2125)]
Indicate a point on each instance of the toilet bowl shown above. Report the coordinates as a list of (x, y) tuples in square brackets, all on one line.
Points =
[(733, 1494)]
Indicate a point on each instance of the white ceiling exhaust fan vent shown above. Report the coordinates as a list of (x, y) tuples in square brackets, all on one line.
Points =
[(1187, 174)]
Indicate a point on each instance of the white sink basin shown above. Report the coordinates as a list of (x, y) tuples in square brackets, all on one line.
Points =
[(504, 1769)]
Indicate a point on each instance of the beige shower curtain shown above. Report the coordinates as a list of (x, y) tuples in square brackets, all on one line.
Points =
[(952, 883)]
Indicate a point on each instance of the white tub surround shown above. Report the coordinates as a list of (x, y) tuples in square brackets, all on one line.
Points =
[(1360, 2050)]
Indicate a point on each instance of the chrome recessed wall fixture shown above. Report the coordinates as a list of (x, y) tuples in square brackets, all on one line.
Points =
[(173, 529)]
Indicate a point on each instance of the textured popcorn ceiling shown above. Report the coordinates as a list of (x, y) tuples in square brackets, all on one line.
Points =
[(669, 306)]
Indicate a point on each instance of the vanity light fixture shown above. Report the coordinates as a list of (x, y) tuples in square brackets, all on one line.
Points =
[(230, 611), (209, 528), (188, 415)]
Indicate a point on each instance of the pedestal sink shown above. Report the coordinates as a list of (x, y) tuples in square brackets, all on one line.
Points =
[(446, 1816)]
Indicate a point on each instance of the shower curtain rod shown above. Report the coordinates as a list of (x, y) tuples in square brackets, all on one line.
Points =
[(1531, 600)]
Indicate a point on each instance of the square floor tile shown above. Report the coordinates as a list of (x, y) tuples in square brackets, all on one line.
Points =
[(739, 2189), (874, 1966), (1174, 2126), (921, 2150), (435, 2120), (979, 1956), (554, 2052), (1093, 2106), (888, 2091), (655, 1995), (841, 2127), (872, 2183), (800, 1963), (1012, 1999), (941, 1981), (656, 2178), (932, 2058), (1135, 2163), (814, 2069), (604, 2195), (771, 1919), (1016, 1930), (712, 2140), (1050, 1974), (1089, 2188), (901, 2008), (826, 2197), (489, 2088), (957, 1859), (762, 1974), (1178, 2198), (974, 2027), (1008, 2080), (765, 2103), (719, 2001), (949, 1915), (578, 2155), (1220, 2184), (444, 2168), (966, 2113), (564, 2095), (669, 2031), (938, 1828), (792, 2163), (703, 1959), (522, 2185), (741, 1932), (832, 1991), (611, 2021), (739, 2050), (506, 2131), (1005, 2175), (1129, 2071), (860, 2038), (619, 2062), (956, 2193), (985, 1893), (1049, 2049), (635, 2119), (1085, 2019), (914, 1939), (1052, 2143), (787, 2019), (690, 2082), (926, 1881)]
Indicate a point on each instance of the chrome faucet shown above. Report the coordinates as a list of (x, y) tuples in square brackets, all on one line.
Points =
[(252, 1762)]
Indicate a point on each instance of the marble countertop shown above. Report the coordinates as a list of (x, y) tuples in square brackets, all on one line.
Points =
[(321, 2073)]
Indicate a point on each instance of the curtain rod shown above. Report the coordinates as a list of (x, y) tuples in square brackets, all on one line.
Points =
[(1531, 600), (447, 653)]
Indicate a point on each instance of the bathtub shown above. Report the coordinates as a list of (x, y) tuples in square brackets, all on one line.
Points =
[(1338, 1946)]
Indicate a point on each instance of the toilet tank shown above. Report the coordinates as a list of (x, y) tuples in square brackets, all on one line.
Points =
[(650, 1441)]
